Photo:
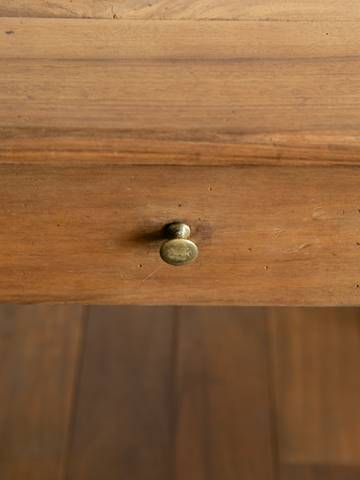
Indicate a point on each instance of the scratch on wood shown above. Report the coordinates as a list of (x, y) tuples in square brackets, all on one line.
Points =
[(277, 231), (304, 245), (319, 211), (152, 273), (55, 5), (296, 249), (121, 275), (333, 294)]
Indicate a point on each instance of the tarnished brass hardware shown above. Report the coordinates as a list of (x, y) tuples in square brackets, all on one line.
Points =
[(178, 250)]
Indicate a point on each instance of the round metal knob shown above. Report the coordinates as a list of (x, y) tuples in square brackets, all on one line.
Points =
[(178, 250)]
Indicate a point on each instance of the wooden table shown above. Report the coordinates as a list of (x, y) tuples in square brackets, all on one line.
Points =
[(240, 120)]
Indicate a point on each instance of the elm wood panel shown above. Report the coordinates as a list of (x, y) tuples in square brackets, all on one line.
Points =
[(185, 10), (39, 350), (75, 91), (223, 415), (122, 427), (316, 358), (73, 39), (51, 146), (266, 235)]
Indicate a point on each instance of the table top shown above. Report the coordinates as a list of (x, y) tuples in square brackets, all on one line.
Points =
[(161, 83)]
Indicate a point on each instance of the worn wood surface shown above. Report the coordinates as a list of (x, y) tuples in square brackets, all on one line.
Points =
[(102, 91), (266, 235), (288, 10), (81, 99), (316, 355), (223, 412), (122, 425), (39, 355)]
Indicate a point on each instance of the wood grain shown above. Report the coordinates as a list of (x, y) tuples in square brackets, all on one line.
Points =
[(72, 39), (266, 236), (223, 425), (39, 348), (320, 472), (122, 425), (287, 10), (99, 91), (317, 379)]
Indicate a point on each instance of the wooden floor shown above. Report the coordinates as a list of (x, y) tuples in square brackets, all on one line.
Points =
[(169, 393)]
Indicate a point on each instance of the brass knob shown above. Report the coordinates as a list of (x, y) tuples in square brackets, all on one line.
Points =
[(178, 250)]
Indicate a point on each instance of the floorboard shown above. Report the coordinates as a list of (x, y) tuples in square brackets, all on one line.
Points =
[(223, 415), (39, 350), (316, 362), (320, 472), (123, 417)]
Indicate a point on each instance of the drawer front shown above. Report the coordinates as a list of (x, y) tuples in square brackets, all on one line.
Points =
[(265, 235)]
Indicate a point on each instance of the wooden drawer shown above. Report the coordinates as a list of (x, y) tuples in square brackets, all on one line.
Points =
[(266, 235)]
